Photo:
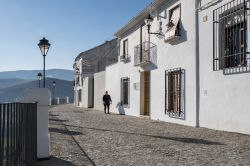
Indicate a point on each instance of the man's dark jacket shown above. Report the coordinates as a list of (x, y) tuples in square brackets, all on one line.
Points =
[(106, 99)]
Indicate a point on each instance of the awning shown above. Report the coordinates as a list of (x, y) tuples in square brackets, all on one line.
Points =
[(173, 24)]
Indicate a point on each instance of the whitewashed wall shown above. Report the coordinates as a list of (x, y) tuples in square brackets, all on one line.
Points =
[(85, 92), (224, 99), (78, 86), (180, 54), (99, 89)]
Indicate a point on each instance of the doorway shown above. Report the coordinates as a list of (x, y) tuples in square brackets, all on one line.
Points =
[(145, 93)]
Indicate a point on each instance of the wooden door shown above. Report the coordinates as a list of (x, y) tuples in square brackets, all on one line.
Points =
[(145, 93)]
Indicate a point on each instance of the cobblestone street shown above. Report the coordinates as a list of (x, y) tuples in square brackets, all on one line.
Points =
[(88, 137)]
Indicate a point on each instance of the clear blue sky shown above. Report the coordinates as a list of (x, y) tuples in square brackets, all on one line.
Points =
[(71, 26)]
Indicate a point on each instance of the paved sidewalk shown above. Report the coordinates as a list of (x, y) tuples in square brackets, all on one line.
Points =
[(87, 137)]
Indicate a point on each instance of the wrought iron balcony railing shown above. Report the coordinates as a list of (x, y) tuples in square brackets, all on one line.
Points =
[(145, 53), (125, 58)]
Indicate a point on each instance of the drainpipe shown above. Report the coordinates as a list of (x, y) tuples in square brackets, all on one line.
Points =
[(197, 62)]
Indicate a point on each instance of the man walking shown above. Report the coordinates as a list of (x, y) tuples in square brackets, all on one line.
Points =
[(106, 101)]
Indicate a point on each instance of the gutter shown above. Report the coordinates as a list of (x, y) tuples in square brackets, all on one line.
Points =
[(197, 63)]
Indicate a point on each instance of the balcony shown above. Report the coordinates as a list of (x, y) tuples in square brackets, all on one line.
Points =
[(125, 58), (145, 54)]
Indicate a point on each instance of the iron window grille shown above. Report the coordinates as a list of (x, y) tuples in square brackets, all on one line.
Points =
[(230, 37), (174, 93), (125, 83)]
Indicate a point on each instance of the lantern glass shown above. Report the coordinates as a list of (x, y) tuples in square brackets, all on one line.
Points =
[(39, 76), (54, 83), (149, 20), (44, 46)]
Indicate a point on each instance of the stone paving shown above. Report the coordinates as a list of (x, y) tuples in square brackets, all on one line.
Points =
[(88, 137)]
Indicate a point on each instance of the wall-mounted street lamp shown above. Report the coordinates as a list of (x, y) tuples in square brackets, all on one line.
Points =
[(77, 76), (148, 21), (44, 46), (39, 77), (77, 70), (54, 86)]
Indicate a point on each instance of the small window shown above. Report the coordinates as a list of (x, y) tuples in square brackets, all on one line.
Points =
[(125, 83), (230, 43), (125, 48), (173, 25), (174, 90), (77, 80), (100, 66), (80, 95)]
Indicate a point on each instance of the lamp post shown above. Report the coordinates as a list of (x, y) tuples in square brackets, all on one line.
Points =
[(44, 46), (39, 77), (54, 86), (148, 21)]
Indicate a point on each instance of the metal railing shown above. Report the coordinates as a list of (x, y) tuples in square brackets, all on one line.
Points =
[(18, 134), (145, 53), (125, 58)]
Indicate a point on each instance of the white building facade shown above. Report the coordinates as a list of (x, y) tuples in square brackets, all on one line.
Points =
[(152, 63), (224, 65), (185, 62), (171, 76), (90, 75)]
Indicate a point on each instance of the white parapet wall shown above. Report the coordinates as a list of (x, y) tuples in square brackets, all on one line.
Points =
[(43, 97), (99, 89), (85, 91)]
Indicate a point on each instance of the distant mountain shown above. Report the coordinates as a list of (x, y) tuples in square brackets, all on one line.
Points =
[(63, 89), (4, 83), (32, 74)]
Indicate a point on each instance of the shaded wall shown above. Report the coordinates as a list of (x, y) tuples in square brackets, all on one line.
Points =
[(99, 89)]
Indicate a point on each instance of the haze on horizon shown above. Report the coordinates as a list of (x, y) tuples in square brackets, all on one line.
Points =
[(70, 26)]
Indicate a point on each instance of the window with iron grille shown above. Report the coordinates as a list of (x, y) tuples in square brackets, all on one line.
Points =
[(230, 39), (125, 57), (174, 93), (125, 48), (125, 83)]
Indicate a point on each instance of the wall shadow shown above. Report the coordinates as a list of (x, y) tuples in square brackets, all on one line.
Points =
[(183, 37), (178, 139), (53, 115), (66, 132), (58, 120), (54, 161), (120, 108)]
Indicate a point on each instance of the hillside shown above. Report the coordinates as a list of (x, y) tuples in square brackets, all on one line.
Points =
[(63, 89), (32, 74), (4, 83)]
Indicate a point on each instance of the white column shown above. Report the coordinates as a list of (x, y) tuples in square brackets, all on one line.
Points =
[(43, 97)]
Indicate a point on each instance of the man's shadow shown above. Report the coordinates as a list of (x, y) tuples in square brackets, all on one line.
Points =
[(120, 108)]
